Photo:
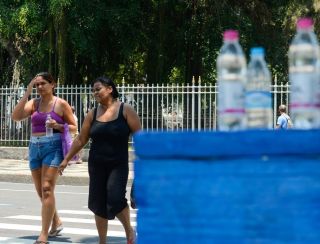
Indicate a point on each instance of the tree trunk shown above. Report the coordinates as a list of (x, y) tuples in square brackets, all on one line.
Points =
[(14, 55), (51, 37), (161, 42), (62, 44), (10, 48)]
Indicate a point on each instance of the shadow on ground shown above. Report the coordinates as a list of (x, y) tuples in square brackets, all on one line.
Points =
[(110, 240), (61, 239)]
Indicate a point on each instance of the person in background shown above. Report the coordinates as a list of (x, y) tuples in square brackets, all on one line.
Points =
[(45, 152), (284, 121), (109, 126)]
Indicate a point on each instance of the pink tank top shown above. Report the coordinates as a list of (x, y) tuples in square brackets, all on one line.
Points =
[(38, 119)]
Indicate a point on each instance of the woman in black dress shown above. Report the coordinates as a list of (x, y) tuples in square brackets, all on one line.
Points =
[(109, 126)]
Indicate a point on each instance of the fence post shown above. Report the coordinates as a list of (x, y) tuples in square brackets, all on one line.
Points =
[(287, 94), (275, 99), (199, 103), (122, 89), (192, 103), (281, 95), (147, 104), (215, 106)]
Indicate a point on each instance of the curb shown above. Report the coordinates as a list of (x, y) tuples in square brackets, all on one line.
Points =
[(62, 180), (17, 171)]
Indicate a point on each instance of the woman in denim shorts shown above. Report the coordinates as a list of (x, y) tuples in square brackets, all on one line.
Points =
[(45, 151)]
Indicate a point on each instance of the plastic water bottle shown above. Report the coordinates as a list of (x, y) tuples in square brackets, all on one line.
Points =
[(49, 130), (304, 76), (231, 69), (258, 102)]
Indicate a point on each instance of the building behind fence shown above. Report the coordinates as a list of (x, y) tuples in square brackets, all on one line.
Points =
[(160, 107)]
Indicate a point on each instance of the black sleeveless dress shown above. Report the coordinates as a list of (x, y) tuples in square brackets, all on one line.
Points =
[(108, 166)]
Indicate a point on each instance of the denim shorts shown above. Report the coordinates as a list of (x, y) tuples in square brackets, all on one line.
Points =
[(45, 150)]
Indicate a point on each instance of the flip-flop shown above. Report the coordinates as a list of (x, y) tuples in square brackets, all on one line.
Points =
[(41, 242), (54, 233)]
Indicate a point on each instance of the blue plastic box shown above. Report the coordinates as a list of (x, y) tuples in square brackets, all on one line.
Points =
[(219, 187)]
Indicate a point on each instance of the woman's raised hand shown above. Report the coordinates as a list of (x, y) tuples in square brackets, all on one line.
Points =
[(31, 85)]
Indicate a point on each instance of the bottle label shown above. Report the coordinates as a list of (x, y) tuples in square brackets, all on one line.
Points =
[(302, 90), (258, 99), (231, 97)]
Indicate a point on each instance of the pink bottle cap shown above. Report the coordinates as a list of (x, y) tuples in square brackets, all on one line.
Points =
[(304, 23), (231, 35)]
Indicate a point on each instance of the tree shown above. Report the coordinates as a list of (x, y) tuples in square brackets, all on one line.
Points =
[(58, 9), (157, 41)]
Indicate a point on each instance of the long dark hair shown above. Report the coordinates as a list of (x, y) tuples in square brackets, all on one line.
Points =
[(47, 76), (107, 82)]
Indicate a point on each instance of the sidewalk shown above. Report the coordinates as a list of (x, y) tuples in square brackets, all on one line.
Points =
[(13, 170), (14, 167)]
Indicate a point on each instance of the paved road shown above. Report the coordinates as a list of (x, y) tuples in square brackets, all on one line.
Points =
[(20, 216)]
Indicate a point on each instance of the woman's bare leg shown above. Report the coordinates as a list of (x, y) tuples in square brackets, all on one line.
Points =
[(102, 227), (124, 217), (49, 177), (36, 176)]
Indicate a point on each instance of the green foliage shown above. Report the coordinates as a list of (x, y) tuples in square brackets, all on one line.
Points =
[(163, 41), (28, 20), (176, 76)]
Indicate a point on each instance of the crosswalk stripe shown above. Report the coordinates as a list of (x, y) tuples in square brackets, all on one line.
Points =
[(4, 238), (66, 230), (2, 189), (83, 212), (67, 220)]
